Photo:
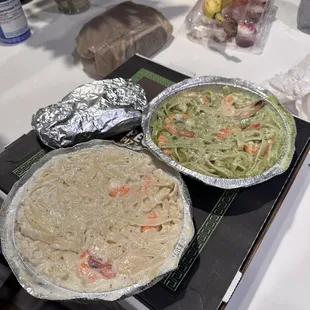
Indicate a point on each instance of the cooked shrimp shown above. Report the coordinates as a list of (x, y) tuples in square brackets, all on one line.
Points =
[(152, 215), (225, 132), (230, 99), (117, 189), (204, 100), (146, 181), (248, 113), (253, 126), (173, 130), (146, 228), (228, 109), (167, 152), (251, 148), (161, 139), (93, 268)]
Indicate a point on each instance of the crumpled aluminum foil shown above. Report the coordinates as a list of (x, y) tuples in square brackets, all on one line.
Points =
[(41, 287), (99, 109), (287, 118)]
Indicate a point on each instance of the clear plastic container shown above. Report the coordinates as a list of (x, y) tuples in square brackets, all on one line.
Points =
[(73, 6), (246, 26)]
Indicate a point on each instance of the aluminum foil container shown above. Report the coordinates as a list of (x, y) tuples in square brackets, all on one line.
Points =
[(41, 287), (208, 81), (99, 109)]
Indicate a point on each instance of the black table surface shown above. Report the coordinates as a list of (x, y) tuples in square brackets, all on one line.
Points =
[(229, 223)]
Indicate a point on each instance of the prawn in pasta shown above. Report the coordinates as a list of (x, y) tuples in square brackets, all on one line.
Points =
[(99, 219), (224, 134)]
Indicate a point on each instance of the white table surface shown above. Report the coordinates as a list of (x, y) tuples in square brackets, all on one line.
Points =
[(41, 70)]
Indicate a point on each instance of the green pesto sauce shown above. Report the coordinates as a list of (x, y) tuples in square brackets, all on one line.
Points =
[(223, 133)]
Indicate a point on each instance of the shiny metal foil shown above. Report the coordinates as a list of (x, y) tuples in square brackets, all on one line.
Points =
[(40, 286), (99, 109), (209, 81)]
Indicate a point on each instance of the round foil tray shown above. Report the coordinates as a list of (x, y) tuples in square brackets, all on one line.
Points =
[(42, 287), (288, 123)]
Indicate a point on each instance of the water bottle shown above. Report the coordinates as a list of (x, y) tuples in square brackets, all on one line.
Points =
[(13, 23)]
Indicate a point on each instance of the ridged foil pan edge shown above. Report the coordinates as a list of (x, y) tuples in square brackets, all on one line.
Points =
[(39, 286), (288, 121)]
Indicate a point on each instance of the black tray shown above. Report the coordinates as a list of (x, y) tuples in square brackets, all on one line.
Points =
[(229, 224)]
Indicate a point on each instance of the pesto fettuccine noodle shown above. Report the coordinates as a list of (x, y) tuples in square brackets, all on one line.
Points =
[(225, 133)]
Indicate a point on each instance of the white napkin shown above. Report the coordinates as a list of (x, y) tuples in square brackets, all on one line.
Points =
[(293, 88)]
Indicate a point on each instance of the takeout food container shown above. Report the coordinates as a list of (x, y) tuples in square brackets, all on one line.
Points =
[(213, 81), (247, 30), (99, 109), (40, 286)]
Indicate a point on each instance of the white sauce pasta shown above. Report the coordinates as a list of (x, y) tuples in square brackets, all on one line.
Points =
[(99, 219)]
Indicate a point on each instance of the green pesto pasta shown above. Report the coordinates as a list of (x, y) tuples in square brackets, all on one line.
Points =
[(226, 133)]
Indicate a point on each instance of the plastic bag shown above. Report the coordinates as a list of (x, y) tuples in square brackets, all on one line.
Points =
[(245, 25), (124, 30), (292, 88)]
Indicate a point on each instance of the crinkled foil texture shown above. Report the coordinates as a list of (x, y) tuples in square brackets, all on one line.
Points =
[(41, 287), (99, 109), (209, 81)]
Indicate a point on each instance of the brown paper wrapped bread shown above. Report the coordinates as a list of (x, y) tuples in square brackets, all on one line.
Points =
[(122, 31)]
